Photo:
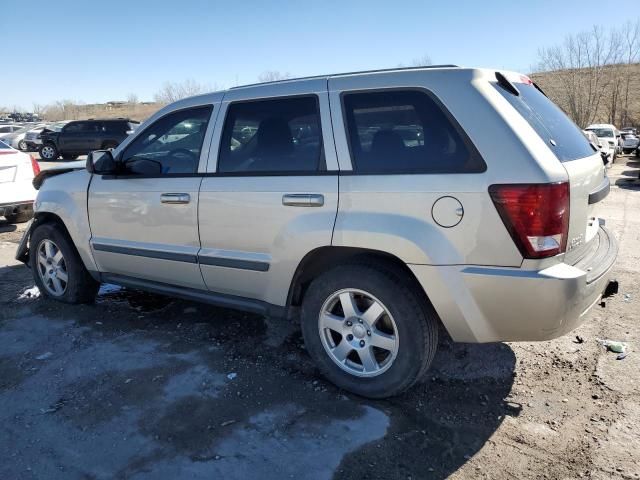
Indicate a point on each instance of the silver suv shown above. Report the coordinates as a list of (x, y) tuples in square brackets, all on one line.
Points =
[(372, 206)]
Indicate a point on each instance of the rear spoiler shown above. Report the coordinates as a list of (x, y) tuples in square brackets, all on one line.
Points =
[(52, 172)]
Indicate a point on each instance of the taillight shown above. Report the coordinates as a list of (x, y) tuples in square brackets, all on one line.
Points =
[(536, 215), (35, 165)]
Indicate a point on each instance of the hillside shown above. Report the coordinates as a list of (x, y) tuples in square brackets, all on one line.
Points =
[(610, 107)]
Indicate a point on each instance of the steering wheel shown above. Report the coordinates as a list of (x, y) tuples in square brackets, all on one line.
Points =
[(182, 152), (184, 161)]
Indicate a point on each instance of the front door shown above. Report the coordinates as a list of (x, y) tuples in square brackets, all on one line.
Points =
[(272, 195), (144, 223)]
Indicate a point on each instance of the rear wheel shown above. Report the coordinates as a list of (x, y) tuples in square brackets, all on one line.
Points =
[(368, 330), (48, 152), (22, 145), (57, 268)]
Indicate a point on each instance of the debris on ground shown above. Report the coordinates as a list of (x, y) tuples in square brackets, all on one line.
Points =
[(107, 288), (227, 423), (232, 375), (622, 356), (33, 292), (578, 339), (627, 297), (613, 345), (44, 356)]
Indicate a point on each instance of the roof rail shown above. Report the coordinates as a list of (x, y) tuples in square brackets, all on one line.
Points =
[(380, 70)]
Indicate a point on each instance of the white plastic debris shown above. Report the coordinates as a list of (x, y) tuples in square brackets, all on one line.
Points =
[(107, 288), (232, 375), (33, 292), (44, 356)]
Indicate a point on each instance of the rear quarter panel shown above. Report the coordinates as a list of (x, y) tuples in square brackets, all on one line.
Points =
[(392, 213)]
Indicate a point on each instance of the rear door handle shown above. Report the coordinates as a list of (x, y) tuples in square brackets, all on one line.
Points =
[(303, 200), (175, 198)]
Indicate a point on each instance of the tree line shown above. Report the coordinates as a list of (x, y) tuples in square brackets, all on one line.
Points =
[(594, 75)]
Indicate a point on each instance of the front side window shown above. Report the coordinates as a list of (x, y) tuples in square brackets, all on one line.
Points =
[(172, 144), (277, 135), (405, 131)]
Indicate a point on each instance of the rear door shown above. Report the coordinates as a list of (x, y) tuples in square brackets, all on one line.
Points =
[(588, 182), (272, 193)]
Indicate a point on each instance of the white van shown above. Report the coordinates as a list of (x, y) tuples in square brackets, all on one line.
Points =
[(608, 135)]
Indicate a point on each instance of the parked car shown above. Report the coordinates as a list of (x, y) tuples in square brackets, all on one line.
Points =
[(6, 130), (608, 135), (17, 139), (597, 143), (466, 198), (630, 143), (80, 137), (631, 130), (17, 194)]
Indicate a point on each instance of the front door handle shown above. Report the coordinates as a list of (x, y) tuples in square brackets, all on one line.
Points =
[(303, 200), (175, 198)]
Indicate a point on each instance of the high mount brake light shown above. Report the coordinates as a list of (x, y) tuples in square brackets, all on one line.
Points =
[(536, 215)]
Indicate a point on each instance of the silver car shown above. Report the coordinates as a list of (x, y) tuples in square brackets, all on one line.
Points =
[(373, 207)]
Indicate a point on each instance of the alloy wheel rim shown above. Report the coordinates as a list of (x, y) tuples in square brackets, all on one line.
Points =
[(47, 152), (52, 268), (358, 332)]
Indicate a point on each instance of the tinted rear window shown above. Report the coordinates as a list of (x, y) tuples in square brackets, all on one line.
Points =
[(550, 122)]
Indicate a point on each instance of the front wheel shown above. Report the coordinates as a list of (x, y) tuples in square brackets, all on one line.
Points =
[(48, 152), (22, 146), (57, 267), (368, 330)]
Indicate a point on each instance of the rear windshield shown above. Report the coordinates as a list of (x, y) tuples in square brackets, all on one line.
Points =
[(551, 124)]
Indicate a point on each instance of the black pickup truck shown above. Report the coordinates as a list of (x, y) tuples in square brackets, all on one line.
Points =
[(83, 136)]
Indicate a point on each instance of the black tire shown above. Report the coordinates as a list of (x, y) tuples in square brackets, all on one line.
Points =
[(20, 217), (416, 322), (49, 152), (80, 287), (22, 146)]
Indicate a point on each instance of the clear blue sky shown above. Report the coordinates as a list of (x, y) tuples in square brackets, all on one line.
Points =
[(99, 51)]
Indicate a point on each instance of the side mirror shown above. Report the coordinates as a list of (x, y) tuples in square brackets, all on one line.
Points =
[(101, 162)]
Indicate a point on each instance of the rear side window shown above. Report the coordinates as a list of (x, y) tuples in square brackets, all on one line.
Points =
[(277, 135), (406, 131), (114, 127), (550, 123)]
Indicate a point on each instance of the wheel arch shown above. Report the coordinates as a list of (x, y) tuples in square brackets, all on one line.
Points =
[(323, 259)]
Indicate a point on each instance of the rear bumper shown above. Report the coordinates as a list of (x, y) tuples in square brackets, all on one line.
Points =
[(489, 304), (14, 208)]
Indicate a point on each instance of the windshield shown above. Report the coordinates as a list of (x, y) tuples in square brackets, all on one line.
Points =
[(552, 125), (602, 132)]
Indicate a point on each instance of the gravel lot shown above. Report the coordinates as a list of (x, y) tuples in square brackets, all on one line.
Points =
[(142, 386)]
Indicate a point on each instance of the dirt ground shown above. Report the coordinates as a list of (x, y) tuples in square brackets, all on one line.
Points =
[(142, 386)]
